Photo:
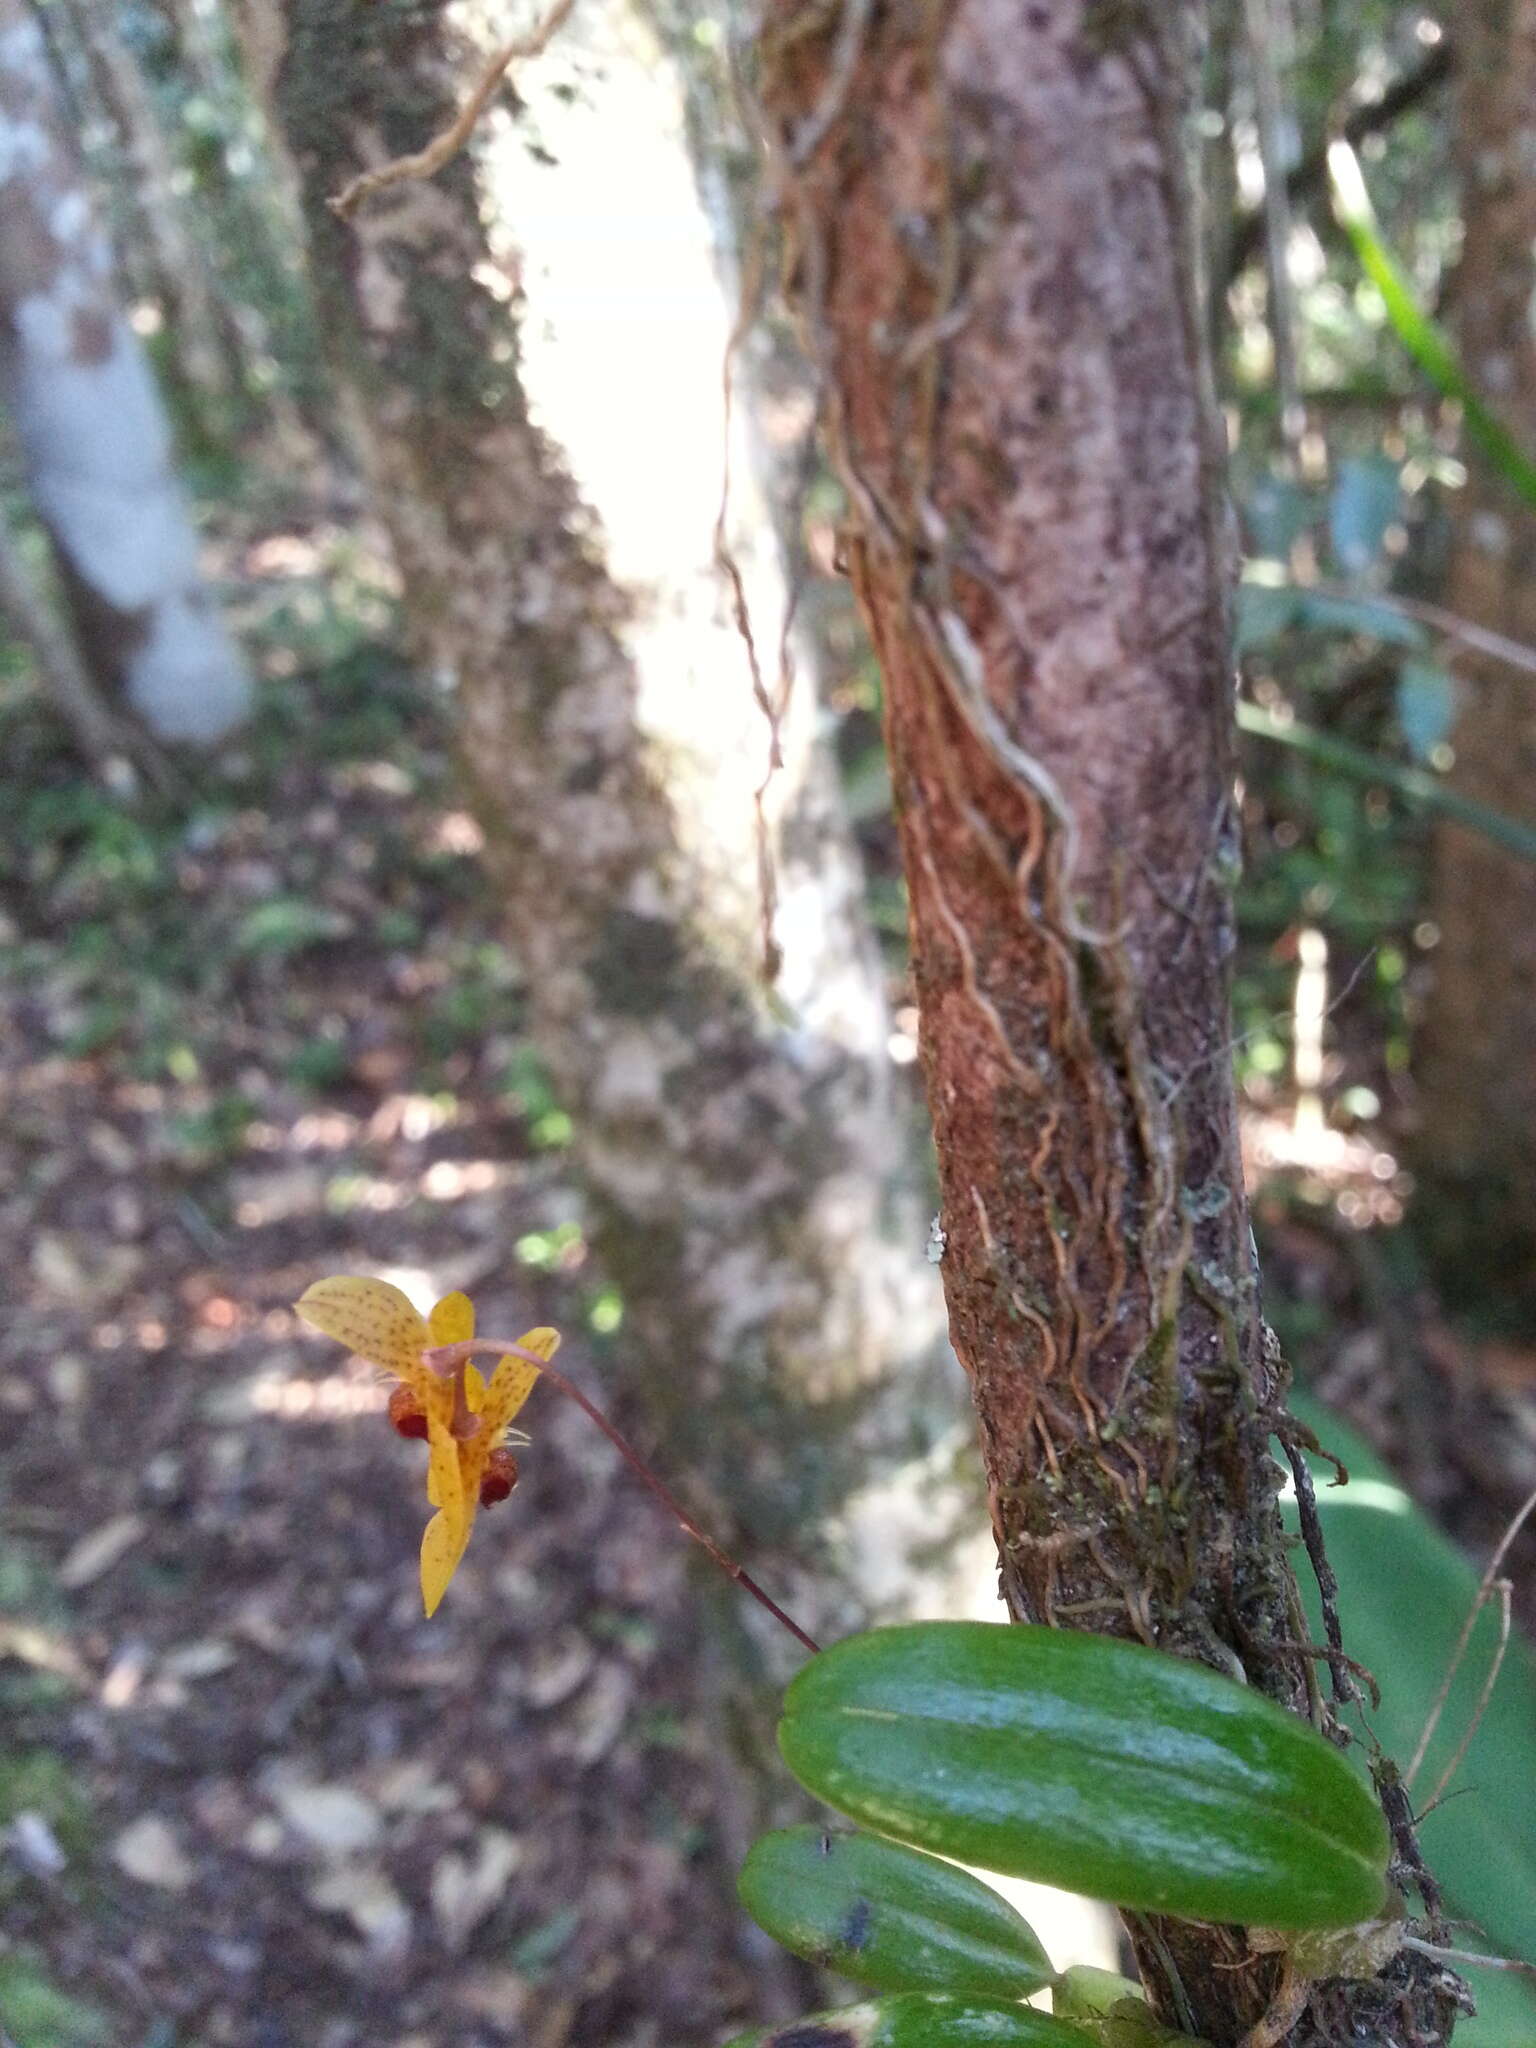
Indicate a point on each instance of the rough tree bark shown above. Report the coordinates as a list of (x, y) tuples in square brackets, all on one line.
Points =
[(92, 431), (990, 248), (741, 1157), (1476, 1155)]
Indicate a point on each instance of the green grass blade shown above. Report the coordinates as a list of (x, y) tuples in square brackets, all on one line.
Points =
[(1417, 785), (1423, 339)]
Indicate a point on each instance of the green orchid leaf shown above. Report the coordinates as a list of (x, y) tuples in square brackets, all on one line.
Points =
[(1404, 1592), (922, 2019), (1089, 1763), (1113, 2009), (1085, 1993), (889, 1916)]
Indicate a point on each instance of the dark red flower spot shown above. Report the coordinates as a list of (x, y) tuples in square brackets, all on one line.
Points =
[(406, 1413), (498, 1479)]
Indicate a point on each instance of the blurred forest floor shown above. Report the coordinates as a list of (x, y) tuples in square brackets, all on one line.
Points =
[(266, 1030), (247, 1041)]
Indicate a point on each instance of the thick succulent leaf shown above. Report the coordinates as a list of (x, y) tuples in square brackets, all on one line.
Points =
[(889, 1916), (1113, 2009), (920, 2019), (1089, 1763), (1084, 1993)]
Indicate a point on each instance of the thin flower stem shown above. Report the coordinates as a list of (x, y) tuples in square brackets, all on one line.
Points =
[(448, 1358), (1479, 1602)]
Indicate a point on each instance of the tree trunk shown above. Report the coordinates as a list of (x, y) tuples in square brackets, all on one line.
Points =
[(1476, 1155), (990, 247), (60, 671), (745, 1167), (200, 45), (185, 285), (92, 430)]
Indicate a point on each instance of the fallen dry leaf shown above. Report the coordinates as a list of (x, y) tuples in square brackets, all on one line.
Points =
[(465, 1889), (148, 1851), (44, 1649), (332, 1818), (361, 1893), (96, 1553), (88, 1276), (34, 1845), (204, 1658)]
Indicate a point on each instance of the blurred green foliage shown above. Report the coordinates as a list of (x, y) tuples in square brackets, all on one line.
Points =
[(1405, 1593)]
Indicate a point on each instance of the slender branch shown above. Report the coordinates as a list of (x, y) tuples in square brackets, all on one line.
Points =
[(1277, 214), (1497, 646), (1306, 176), (1414, 783), (1463, 1955), (1340, 1667), (1502, 1589), (1479, 1601), (447, 1358), (444, 147)]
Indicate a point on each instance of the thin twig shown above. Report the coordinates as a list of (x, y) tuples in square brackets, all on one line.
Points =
[(1503, 1589), (447, 1358), (1308, 176), (1277, 214), (1345, 1691), (444, 147), (1480, 1600), (1463, 1955), (1497, 646)]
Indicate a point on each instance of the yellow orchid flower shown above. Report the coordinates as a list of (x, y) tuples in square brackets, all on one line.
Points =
[(463, 1417)]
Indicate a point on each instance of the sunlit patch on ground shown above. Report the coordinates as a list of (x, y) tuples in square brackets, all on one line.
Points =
[(265, 1802)]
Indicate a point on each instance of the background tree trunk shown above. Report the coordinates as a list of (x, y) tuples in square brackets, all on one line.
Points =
[(990, 248), (1476, 1158), (747, 1172), (60, 671), (193, 326), (92, 430)]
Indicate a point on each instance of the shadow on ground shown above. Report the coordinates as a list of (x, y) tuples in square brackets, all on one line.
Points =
[(252, 1036)]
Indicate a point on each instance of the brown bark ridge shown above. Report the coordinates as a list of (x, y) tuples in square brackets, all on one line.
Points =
[(1476, 1056), (741, 1157), (990, 252)]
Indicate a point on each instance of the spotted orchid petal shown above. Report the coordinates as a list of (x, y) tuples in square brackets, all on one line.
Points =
[(447, 1534), (453, 1320), (376, 1321), (513, 1381), (496, 1404)]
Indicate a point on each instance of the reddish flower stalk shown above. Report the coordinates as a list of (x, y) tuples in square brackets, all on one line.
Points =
[(447, 1359)]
